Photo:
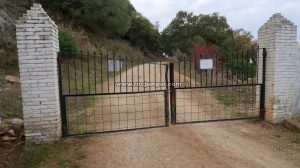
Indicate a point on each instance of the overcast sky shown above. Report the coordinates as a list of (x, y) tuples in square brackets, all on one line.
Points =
[(247, 14)]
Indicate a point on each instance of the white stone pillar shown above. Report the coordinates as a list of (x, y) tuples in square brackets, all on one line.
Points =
[(37, 42), (297, 113), (279, 37)]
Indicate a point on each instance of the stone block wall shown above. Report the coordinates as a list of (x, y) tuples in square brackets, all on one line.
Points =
[(279, 37), (297, 112), (38, 45)]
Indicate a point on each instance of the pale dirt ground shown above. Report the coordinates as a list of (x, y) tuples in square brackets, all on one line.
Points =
[(218, 144)]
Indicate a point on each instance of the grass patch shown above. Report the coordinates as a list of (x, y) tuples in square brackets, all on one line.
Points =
[(61, 155), (78, 129), (10, 101), (237, 114), (277, 135), (33, 155), (225, 100), (2, 76)]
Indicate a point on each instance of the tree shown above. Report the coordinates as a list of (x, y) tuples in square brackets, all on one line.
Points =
[(180, 33), (143, 33), (213, 28), (203, 51), (157, 25), (243, 40), (65, 7), (112, 17), (186, 30)]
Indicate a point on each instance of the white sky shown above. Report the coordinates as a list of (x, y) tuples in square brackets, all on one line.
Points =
[(247, 14)]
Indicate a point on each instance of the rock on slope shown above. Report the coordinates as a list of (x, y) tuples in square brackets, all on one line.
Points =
[(10, 11)]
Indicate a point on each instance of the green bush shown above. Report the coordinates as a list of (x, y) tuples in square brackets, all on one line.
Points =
[(242, 68), (67, 42), (112, 17)]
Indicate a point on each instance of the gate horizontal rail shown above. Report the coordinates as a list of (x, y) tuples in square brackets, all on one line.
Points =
[(216, 120), (107, 132), (201, 87), (116, 93)]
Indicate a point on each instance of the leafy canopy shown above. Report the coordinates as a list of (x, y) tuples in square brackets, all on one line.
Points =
[(143, 33), (243, 40), (187, 30), (112, 17), (180, 34), (67, 42)]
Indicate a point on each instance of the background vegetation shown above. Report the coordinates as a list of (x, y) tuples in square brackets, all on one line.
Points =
[(118, 19), (67, 43), (114, 19), (187, 30)]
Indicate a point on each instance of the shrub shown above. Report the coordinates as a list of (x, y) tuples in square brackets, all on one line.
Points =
[(240, 67), (67, 42), (112, 17)]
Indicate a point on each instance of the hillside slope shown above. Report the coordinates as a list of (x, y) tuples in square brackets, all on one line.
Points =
[(87, 40), (9, 12)]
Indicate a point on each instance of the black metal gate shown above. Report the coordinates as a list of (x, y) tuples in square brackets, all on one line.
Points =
[(106, 94), (224, 87), (102, 94)]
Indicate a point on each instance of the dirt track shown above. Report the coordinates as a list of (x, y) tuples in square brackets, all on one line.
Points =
[(219, 144)]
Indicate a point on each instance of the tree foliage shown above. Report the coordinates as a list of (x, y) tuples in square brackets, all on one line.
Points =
[(180, 34), (143, 33), (118, 18), (64, 7), (112, 17), (67, 42), (204, 51), (213, 28), (243, 40), (242, 68), (187, 30)]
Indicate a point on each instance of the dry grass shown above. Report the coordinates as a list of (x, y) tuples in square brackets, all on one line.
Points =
[(62, 154), (88, 42), (10, 100)]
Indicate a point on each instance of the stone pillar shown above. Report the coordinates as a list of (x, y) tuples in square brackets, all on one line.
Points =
[(37, 43), (279, 37), (297, 113)]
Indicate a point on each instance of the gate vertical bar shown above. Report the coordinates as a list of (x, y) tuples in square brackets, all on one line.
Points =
[(262, 94), (62, 98), (167, 96), (172, 94)]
